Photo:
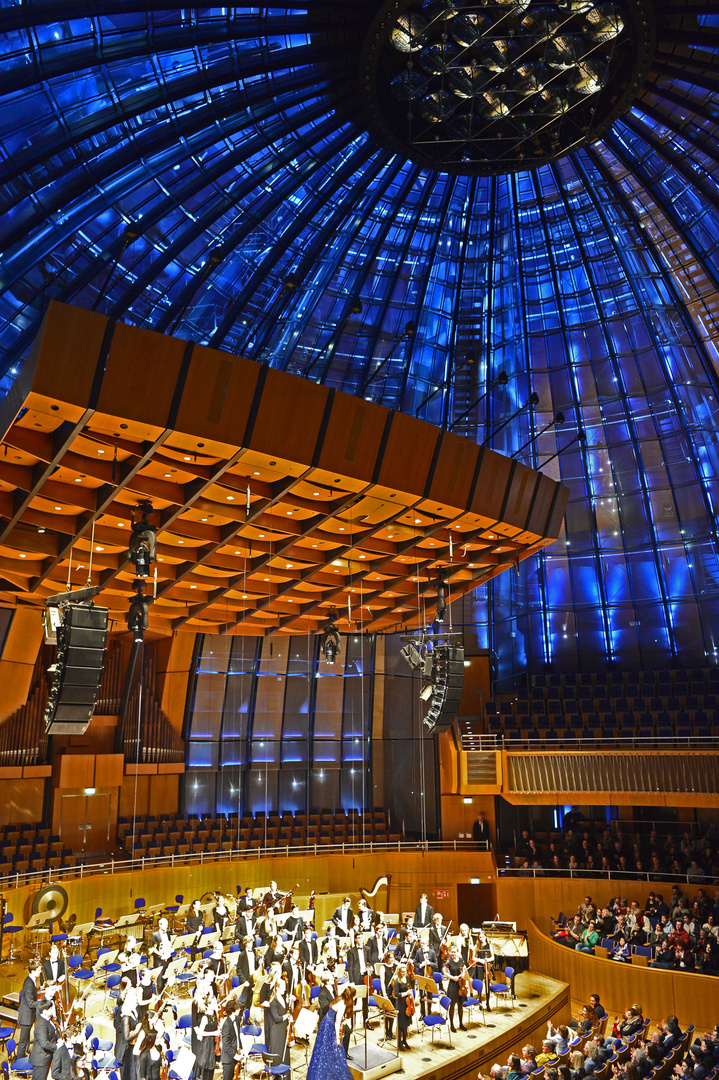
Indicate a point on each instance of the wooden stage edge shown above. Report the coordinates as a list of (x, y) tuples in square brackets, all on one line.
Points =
[(539, 999)]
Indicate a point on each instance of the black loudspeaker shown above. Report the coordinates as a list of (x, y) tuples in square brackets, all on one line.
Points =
[(81, 640), (447, 686)]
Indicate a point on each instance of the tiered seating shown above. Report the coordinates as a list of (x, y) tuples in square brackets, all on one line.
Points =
[(611, 705), (28, 848), (178, 835)]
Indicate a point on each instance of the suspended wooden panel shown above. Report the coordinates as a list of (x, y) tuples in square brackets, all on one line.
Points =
[(277, 498)]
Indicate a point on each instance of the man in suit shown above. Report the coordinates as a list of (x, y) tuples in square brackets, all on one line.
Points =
[(246, 926), (423, 913), (480, 830), (67, 1049), (359, 966), (247, 967), (247, 902), (26, 1007), (366, 916), (195, 924), (45, 1041), (271, 898), (53, 969), (407, 928), (231, 1043), (309, 950), (326, 994), (343, 916), (161, 947), (291, 968), (406, 948)]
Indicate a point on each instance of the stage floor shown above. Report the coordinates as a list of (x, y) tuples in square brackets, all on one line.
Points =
[(507, 1029)]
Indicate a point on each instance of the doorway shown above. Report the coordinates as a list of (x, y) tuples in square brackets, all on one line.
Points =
[(85, 822)]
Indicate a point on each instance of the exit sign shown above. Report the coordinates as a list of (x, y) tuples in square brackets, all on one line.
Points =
[(442, 894)]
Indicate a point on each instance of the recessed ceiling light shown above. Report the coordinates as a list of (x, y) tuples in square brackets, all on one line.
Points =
[(390, 536), (315, 492), (204, 519), (418, 521), (262, 536), (101, 451), (22, 556), (267, 579), (187, 457), (342, 528), (58, 508), (160, 558), (238, 553), (244, 596), (78, 479), (180, 541), (121, 524), (168, 474), (256, 474), (363, 556), (289, 565), (98, 548), (289, 512), (230, 498), (193, 586)]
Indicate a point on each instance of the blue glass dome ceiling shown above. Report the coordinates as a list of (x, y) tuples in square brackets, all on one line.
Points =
[(208, 172)]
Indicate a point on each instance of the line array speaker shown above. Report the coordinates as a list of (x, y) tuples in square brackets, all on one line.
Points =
[(447, 686), (81, 640)]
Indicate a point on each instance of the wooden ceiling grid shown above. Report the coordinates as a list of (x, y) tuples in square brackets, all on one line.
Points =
[(276, 498)]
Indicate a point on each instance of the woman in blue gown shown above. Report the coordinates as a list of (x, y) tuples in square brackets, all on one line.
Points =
[(328, 1060)]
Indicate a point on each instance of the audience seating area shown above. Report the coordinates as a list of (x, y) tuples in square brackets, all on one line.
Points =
[(611, 705), (177, 835), (26, 848)]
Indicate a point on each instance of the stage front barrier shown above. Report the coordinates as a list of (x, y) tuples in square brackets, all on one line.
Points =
[(693, 998)]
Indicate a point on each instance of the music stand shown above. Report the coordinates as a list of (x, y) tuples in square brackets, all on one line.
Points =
[(388, 1010)]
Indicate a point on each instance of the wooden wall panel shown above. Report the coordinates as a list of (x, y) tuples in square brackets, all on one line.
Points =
[(454, 470), (353, 437), (22, 643), (140, 375), (66, 352), (519, 496), (158, 794), (218, 395), (491, 487), (289, 417), (408, 454), (539, 514), (109, 770), (77, 771), (174, 667), (22, 801)]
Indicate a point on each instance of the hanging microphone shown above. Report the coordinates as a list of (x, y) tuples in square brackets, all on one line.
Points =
[(501, 380), (581, 437), (558, 419), (407, 335), (533, 400), (460, 367), (354, 309)]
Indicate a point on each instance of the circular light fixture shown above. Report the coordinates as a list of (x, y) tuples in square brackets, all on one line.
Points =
[(503, 85)]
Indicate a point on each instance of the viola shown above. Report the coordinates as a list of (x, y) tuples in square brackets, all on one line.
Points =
[(409, 1004)]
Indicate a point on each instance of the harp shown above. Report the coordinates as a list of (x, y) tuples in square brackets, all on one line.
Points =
[(369, 894)]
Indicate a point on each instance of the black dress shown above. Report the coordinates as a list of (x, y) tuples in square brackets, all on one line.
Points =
[(265, 992), (454, 967), (205, 1057), (277, 1044), (400, 988), (148, 1067)]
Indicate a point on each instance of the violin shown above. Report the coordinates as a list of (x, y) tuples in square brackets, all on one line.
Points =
[(409, 1003)]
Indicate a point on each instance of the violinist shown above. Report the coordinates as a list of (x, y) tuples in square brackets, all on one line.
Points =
[(246, 969), (381, 933), (26, 1005), (195, 924), (266, 991), (402, 993), (217, 961), (247, 902), (437, 933), (425, 963), (406, 949), (128, 1029), (275, 952), (453, 970), (407, 928), (205, 1032), (231, 1042), (45, 1040), (129, 960), (342, 916), (359, 972), (220, 914), (386, 979), (161, 949), (330, 949)]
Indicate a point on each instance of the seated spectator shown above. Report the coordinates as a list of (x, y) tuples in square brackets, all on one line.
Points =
[(587, 1021), (548, 1053), (631, 1024), (683, 958), (577, 1059), (514, 1068), (558, 1037), (529, 1062), (622, 950), (642, 1062), (670, 1035), (574, 931), (588, 940), (605, 923), (663, 956), (599, 1011), (591, 1057), (710, 959)]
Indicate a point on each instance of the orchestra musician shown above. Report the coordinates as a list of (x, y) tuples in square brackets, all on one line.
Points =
[(145, 993), (402, 991), (330, 948), (279, 1015), (426, 962), (406, 949), (220, 914), (268, 928), (128, 1028), (294, 925), (129, 960), (53, 969), (67, 1055), (452, 971), (266, 990), (148, 1056), (161, 949), (309, 951), (45, 1039), (407, 927), (195, 924), (275, 952), (359, 972), (291, 969), (217, 961), (326, 994), (26, 1006), (247, 902), (231, 1040), (423, 913), (365, 915), (437, 933), (247, 967), (205, 1033), (246, 925), (342, 917), (386, 978), (272, 896)]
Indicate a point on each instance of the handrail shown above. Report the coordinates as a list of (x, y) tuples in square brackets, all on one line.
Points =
[(499, 741), (48, 875), (612, 875)]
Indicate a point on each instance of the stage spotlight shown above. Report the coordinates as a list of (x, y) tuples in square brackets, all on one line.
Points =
[(143, 541), (330, 640), (137, 616)]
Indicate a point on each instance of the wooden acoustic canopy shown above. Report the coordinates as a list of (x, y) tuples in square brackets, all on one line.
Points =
[(276, 497)]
